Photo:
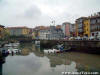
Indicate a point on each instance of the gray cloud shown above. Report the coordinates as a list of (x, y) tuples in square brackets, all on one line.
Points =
[(33, 13), (41, 12)]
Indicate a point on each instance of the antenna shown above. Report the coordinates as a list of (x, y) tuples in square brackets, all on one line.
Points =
[(53, 22)]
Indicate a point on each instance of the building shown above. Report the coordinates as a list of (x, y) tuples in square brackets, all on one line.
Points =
[(66, 29), (35, 33), (95, 25), (80, 26), (86, 27), (72, 30), (44, 34), (58, 26), (1, 31), (51, 33), (18, 31)]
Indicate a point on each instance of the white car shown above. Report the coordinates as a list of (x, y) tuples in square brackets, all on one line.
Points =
[(84, 38), (71, 38), (78, 38), (98, 37), (91, 38)]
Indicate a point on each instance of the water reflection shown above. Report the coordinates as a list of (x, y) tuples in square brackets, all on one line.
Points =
[(2, 61), (32, 61), (0, 68)]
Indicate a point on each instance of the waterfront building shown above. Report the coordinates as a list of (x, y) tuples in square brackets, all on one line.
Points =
[(95, 25), (80, 26), (51, 33), (35, 34), (1, 31), (18, 31), (66, 29), (43, 34), (86, 27), (72, 30), (58, 26)]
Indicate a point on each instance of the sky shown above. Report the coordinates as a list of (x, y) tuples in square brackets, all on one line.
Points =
[(32, 13)]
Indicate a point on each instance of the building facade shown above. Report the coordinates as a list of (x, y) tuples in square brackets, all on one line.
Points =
[(86, 27), (72, 30), (80, 26), (66, 29), (1, 31), (18, 31), (95, 25), (51, 33)]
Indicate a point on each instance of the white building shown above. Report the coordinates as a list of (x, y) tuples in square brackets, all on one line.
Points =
[(51, 34)]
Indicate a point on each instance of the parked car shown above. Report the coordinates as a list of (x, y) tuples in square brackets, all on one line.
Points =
[(71, 38), (84, 38), (78, 38), (98, 37), (91, 38)]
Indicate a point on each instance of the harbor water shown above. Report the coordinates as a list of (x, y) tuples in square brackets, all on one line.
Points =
[(32, 61)]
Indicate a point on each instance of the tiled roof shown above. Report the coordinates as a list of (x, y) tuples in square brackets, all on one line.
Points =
[(16, 27), (91, 17), (82, 18)]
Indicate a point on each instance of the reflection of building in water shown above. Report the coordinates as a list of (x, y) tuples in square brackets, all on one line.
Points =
[(56, 60), (37, 48), (1, 68), (86, 68), (39, 54), (25, 51), (27, 48), (2, 61)]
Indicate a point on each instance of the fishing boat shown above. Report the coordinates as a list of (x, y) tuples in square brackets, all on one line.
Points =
[(14, 50), (37, 42), (51, 51), (56, 50), (12, 45)]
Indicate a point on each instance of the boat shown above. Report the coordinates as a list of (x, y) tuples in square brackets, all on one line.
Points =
[(14, 50), (51, 51), (37, 42), (56, 50), (5, 53), (12, 45), (8, 45)]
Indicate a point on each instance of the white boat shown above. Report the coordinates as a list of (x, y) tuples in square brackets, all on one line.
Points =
[(13, 50), (9, 51), (8, 45), (12, 45), (51, 51), (37, 42)]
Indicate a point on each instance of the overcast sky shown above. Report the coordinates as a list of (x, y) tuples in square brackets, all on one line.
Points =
[(33, 13)]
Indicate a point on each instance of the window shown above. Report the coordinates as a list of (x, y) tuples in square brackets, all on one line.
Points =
[(98, 20), (93, 21)]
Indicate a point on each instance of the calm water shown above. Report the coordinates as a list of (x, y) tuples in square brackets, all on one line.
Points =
[(32, 61)]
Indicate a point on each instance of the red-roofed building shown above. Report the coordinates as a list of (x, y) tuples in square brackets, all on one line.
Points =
[(95, 25)]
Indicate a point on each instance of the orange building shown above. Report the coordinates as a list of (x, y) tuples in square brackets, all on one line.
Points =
[(17, 31)]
